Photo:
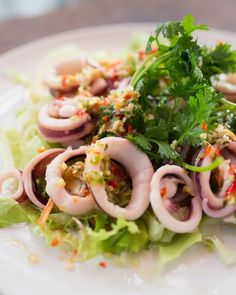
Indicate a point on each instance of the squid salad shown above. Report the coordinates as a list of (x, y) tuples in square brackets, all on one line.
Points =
[(118, 153)]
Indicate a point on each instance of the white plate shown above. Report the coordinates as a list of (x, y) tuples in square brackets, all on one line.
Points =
[(196, 272)]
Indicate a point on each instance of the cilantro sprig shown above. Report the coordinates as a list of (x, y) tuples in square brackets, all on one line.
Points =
[(176, 98)]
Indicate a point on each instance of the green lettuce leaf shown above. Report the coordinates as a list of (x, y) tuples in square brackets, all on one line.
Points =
[(155, 228), (11, 213), (178, 245), (226, 254), (124, 236), (91, 235), (230, 219)]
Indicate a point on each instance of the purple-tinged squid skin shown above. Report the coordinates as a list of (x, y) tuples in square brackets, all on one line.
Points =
[(6, 174), (213, 204), (35, 169), (63, 129)]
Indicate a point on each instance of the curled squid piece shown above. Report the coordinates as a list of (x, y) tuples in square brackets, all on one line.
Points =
[(18, 194), (216, 188), (61, 124), (34, 177), (63, 78), (173, 199), (66, 185), (137, 166), (226, 83)]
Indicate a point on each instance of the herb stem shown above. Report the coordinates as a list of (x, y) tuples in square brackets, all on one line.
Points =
[(210, 167), (145, 66)]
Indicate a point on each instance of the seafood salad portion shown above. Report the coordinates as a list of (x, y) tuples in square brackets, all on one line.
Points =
[(117, 154)]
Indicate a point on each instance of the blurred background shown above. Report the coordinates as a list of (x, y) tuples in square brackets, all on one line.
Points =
[(26, 20)]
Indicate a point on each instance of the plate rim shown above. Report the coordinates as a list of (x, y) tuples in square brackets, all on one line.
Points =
[(88, 30)]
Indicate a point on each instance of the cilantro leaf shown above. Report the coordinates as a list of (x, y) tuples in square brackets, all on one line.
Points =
[(197, 110), (141, 141), (220, 59), (189, 26)]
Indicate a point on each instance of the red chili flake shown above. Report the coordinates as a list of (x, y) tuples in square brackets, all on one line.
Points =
[(102, 264), (217, 151), (231, 169), (113, 183), (203, 126), (85, 192), (163, 192), (116, 171), (154, 49), (231, 192), (218, 179), (127, 96), (207, 151), (80, 113), (105, 119), (130, 129), (55, 242), (74, 252), (141, 53)]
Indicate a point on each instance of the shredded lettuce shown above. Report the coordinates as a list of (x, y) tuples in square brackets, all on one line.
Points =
[(226, 254), (11, 213), (230, 219), (22, 150)]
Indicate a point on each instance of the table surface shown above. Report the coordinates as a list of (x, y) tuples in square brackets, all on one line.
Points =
[(215, 13)]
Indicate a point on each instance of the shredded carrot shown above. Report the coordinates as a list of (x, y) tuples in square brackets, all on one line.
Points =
[(203, 126), (231, 169), (102, 264), (46, 211), (163, 192)]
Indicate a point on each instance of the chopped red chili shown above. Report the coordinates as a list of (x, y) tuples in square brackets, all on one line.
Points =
[(113, 183), (203, 126), (55, 242), (163, 192), (231, 192), (102, 264)]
